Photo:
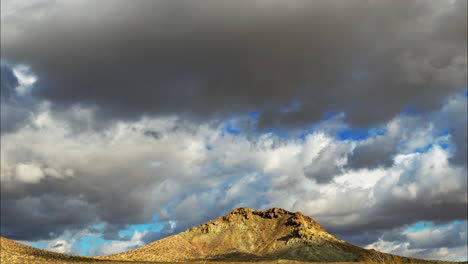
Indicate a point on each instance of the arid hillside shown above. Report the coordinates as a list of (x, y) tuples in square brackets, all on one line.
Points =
[(243, 235), (246, 234), (15, 253)]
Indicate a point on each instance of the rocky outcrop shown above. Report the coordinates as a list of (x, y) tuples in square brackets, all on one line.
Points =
[(247, 234)]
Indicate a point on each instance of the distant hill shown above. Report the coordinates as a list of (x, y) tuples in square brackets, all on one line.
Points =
[(242, 235), (12, 252)]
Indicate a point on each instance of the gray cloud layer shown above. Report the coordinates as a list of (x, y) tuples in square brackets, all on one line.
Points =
[(295, 60)]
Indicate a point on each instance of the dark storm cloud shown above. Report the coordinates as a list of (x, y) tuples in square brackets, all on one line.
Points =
[(368, 236), (392, 210), (50, 202), (153, 134), (457, 122), (416, 243), (385, 216), (325, 168), (46, 209), (379, 151), (8, 82), (374, 154), (13, 117), (371, 59), (450, 236), (378, 220), (51, 215), (14, 111), (401, 212), (389, 222)]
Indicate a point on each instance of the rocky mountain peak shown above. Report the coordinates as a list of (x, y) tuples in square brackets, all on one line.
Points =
[(247, 234)]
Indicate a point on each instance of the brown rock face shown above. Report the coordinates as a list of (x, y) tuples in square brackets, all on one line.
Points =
[(246, 234)]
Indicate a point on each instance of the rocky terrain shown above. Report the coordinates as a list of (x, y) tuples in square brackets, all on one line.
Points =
[(246, 234), (243, 235)]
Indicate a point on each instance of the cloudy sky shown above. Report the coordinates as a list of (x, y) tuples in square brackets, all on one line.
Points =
[(123, 122)]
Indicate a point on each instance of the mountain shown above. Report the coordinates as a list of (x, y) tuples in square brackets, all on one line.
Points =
[(273, 236), (246, 234)]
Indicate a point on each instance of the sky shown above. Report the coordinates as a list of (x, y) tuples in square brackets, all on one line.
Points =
[(123, 122)]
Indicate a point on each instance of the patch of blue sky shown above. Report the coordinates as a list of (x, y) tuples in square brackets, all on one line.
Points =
[(408, 111), (458, 222), (85, 244), (229, 126), (423, 149), (131, 229), (420, 149), (207, 142), (443, 145), (421, 225), (444, 133), (305, 133), (254, 114), (232, 129), (38, 245), (358, 134), (443, 140), (343, 131)]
